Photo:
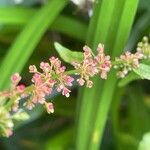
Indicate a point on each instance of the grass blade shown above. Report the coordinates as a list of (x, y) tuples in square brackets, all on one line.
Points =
[(99, 26), (109, 28), (127, 15), (63, 24)]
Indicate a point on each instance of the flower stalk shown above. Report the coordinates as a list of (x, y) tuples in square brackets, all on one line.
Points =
[(53, 76)]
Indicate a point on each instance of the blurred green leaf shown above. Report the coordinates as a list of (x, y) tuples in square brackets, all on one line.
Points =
[(70, 27), (68, 55), (145, 142), (112, 29), (143, 71), (64, 24), (16, 15), (26, 42), (21, 115), (16, 2), (65, 107), (61, 141)]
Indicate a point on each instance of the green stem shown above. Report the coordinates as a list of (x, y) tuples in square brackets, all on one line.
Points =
[(70, 72)]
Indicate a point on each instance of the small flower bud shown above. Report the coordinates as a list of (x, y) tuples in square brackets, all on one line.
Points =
[(66, 92), (20, 88), (81, 81), (49, 107), (32, 69), (16, 78), (89, 84)]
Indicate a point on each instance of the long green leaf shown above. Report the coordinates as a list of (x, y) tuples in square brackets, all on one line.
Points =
[(26, 42), (60, 141), (127, 15), (98, 32), (63, 24), (109, 28), (16, 15)]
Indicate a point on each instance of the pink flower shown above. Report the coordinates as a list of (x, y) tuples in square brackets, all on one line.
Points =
[(126, 62), (81, 81), (89, 84), (45, 67), (92, 65), (60, 87), (87, 68), (15, 78), (68, 80), (49, 107), (32, 69), (21, 88), (104, 63), (66, 92), (37, 79)]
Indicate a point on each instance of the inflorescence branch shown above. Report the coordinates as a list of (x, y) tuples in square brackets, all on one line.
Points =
[(53, 76)]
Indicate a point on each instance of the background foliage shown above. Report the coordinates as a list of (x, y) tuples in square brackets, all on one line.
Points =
[(106, 116)]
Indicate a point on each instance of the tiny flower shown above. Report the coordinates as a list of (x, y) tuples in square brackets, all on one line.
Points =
[(103, 75), (45, 66), (37, 79), (66, 92), (62, 69), (87, 52), (6, 122), (49, 107), (127, 62), (20, 88), (29, 104), (51, 82), (15, 78), (120, 74), (100, 48), (144, 48), (68, 80), (81, 81), (32, 69), (87, 68), (104, 63), (60, 87), (89, 84)]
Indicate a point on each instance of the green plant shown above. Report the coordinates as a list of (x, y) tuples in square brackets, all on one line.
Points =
[(35, 28)]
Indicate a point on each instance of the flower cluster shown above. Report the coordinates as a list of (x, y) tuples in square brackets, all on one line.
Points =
[(127, 62), (53, 76), (144, 48), (6, 123), (15, 92), (92, 65), (103, 62)]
